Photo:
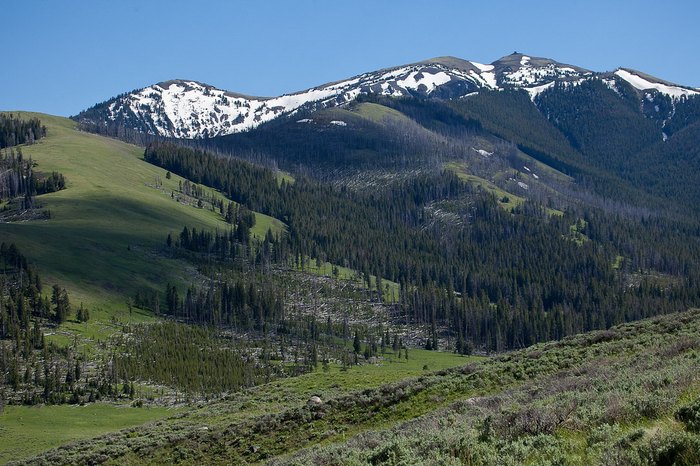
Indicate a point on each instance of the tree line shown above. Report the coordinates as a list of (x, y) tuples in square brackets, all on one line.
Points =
[(15, 130), (18, 179), (32, 370)]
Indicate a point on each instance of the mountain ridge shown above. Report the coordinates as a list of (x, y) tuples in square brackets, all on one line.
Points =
[(189, 109)]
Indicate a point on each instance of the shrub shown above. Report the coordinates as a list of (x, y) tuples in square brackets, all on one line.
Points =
[(392, 453), (680, 449), (690, 416)]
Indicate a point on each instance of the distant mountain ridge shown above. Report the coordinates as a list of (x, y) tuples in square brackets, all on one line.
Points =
[(189, 109)]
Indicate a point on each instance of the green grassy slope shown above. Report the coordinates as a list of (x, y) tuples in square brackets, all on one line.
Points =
[(29, 430), (462, 171), (379, 113), (629, 395), (569, 402), (105, 227)]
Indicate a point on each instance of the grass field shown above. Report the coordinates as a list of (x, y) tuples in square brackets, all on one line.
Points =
[(378, 113), (28, 430), (388, 370), (105, 228), (280, 394), (506, 200), (576, 235), (481, 183), (284, 176)]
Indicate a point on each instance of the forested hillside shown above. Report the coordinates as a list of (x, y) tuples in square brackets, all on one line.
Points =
[(492, 280)]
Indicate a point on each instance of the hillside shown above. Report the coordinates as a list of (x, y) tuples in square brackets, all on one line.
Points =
[(115, 211), (448, 232), (628, 394), (103, 238)]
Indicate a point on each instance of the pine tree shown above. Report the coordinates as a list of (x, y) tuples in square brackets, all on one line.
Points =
[(59, 298)]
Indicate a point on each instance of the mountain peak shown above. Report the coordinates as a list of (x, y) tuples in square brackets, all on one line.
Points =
[(450, 62), (535, 74), (191, 84), (516, 60)]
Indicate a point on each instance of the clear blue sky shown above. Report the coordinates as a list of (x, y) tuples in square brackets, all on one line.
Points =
[(60, 57)]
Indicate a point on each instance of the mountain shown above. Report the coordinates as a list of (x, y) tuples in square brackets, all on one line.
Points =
[(596, 127), (189, 109)]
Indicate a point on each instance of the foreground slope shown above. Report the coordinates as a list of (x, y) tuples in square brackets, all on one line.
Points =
[(26, 431), (628, 395)]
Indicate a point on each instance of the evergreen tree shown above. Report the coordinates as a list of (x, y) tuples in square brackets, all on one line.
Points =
[(356, 345)]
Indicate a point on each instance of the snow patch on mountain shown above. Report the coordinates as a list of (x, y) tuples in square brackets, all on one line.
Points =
[(482, 67), (638, 82), (482, 152), (611, 84), (537, 90), (420, 78), (531, 76), (485, 78), (388, 89)]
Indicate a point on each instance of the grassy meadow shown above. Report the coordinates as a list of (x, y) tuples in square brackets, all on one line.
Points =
[(29, 430), (26, 431), (106, 227), (628, 395)]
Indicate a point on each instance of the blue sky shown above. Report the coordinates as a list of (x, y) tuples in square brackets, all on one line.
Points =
[(60, 57)]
